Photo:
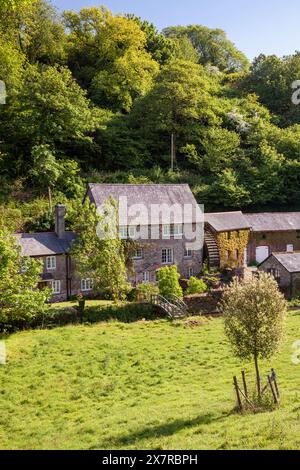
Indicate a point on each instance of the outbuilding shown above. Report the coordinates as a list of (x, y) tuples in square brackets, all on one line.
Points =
[(285, 267)]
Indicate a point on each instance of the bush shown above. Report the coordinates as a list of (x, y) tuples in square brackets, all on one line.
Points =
[(168, 282), (196, 286), (55, 317), (145, 290)]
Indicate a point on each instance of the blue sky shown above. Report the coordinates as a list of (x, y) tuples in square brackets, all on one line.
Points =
[(255, 26)]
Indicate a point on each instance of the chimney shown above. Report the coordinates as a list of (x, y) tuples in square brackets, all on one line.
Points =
[(60, 212)]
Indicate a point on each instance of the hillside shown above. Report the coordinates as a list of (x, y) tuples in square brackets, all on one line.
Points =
[(152, 385), (93, 96)]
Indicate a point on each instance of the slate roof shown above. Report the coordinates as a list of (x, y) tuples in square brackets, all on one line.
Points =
[(44, 243), (227, 221), (274, 221), (149, 195), (290, 261)]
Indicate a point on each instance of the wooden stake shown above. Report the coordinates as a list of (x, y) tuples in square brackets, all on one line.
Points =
[(276, 388), (237, 391), (245, 383), (273, 390)]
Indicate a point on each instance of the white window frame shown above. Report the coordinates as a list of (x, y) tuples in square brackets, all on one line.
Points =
[(87, 285), (172, 230), (146, 277), (188, 253), (51, 263), (56, 287), (127, 232), (167, 256), (138, 254), (190, 272)]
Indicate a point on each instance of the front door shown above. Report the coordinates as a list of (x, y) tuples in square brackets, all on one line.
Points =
[(262, 253)]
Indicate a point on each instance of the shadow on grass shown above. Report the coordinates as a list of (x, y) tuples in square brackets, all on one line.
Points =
[(167, 429)]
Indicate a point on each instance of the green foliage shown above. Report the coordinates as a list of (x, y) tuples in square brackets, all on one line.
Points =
[(254, 312), (146, 290), (99, 252), (254, 317), (91, 90), (271, 78), (196, 286), (212, 45), (21, 301), (168, 282)]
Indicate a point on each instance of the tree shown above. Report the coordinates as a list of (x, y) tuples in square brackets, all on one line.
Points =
[(100, 256), (129, 77), (168, 282), (161, 48), (271, 78), (20, 300), (108, 56), (212, 45), (51, 108), (254, 314)]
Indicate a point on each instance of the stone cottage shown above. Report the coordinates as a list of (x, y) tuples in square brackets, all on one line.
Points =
[(285, 267), (165, 222), (53, 249)]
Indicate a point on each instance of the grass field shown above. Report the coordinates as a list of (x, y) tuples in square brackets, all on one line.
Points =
[(145, 385)]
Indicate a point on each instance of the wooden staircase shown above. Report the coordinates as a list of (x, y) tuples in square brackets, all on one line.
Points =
[(213, 252), (173, 306)]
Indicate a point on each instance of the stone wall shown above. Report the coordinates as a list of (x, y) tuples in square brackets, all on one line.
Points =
[(152, 259), (204, 304), (276, 241)]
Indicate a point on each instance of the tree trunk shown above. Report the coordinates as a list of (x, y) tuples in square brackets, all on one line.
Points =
[(257, 376)]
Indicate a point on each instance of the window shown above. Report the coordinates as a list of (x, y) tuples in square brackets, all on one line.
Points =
[(274, 272), (236, 254), (188, 253), (167, 256), (298, 233), (146, 277), (290, 248), (56, 287), (138, 254), (86, 285), (51, 262), (190, 272), (173, 230), (126, 232)]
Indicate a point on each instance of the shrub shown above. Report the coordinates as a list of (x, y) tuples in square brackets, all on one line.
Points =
[(196, 286), (145, 290), (168, 282)]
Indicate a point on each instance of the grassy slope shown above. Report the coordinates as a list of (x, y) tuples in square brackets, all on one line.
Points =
[(144, 385)]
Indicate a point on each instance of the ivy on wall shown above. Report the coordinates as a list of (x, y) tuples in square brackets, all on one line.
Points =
[(232, 246)]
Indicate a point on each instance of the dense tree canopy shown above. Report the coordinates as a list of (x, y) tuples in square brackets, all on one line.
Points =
[(90, 92)]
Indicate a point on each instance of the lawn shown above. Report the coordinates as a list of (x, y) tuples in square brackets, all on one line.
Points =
[(145, 385)]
